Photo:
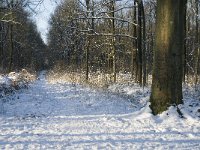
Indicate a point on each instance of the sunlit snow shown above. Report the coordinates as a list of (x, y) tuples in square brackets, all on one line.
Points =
[(68, 116)]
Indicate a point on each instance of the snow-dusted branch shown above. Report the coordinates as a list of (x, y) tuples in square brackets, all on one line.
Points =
[(10, 21), (115, 18)]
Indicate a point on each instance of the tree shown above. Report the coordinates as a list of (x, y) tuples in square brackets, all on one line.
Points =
[(113, 40), (197, 43), (139, 42), (20, 43), (98, 32), (87, 41), (134, 51), (168, 55)]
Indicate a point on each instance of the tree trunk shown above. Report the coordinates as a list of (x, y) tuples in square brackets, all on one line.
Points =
[(139, 42), (168, 55), (185, 48), (134, 51), (1, 45), (87, 58), (113, 40), (197, 44), (11, 47), (87, 42), (143, 46)]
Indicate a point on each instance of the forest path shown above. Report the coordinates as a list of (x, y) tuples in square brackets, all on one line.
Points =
[(44, 99), (67, 116)]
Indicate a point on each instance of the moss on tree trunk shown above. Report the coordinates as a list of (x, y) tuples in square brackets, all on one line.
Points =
[(168, 55)]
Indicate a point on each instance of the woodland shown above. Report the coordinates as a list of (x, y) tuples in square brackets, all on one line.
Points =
[(111, 74), (106, 37)]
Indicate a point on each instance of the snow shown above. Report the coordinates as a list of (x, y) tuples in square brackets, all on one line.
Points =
[(69, 116), (5, 80)]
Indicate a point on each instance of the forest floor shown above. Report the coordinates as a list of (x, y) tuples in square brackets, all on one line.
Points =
[(69, 116)]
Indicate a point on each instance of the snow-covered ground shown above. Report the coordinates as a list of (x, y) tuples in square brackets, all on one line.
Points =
[(69, 116)]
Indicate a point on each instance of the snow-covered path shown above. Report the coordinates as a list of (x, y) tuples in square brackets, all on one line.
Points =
[(67, 116)]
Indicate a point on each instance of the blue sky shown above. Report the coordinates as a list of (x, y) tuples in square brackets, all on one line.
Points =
[(42, 17)]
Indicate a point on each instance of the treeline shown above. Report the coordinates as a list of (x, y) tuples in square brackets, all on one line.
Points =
[(97, 35), (21, 45), (114, 36)]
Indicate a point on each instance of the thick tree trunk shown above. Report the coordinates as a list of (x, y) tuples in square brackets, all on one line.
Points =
[(168, 55)]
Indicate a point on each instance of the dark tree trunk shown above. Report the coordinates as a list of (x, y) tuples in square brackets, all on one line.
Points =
[(113, 40), (11, 47), (87, 59), (139, 43), (168, 55), (143, 45), (197, 44), (185, 48), (1, 44), (134, 51), (87, 42)]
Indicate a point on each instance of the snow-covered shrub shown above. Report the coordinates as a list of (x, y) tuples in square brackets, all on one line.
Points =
[(65, 77), (15, 81), (96, 79)]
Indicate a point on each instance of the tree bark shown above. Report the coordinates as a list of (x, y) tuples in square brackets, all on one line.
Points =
[(1, 45), (197, 44), (139, 43), (87, 42), (134, 51), (11, 47), (113, 51), (185, 47), (168, 55), (144, 73)]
